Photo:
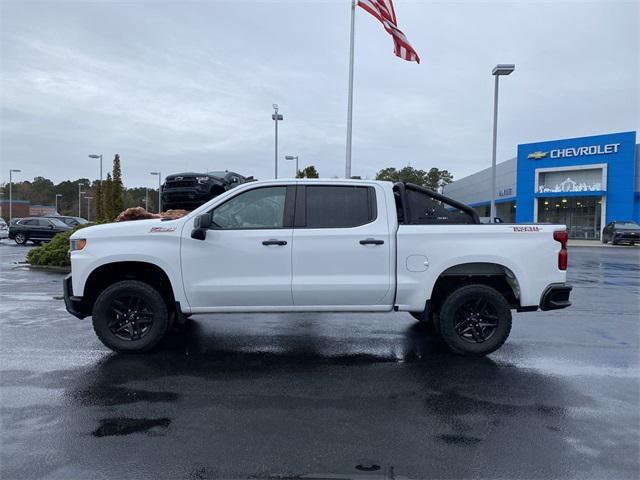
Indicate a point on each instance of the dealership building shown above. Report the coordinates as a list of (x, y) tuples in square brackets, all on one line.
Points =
[(583, 183)]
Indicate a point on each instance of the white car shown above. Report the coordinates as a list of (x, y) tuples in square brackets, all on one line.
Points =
[(4, 229), (318, 246)]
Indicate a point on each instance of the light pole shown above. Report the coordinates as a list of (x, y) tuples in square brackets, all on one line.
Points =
[(276, 117), (291, 157), (159, 193), (498, 70), (100, 157), (146, 198), (11, 171), (57, 196), (80, 192)]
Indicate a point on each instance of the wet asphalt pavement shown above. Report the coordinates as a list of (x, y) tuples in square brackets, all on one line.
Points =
[(318, 394)]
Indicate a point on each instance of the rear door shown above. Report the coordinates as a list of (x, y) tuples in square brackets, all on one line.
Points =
[(341, 247)]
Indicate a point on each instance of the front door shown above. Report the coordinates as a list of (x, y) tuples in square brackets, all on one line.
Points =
[(245, 260), (341, 247)]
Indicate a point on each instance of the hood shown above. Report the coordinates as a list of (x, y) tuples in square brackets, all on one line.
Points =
[(132, 227)]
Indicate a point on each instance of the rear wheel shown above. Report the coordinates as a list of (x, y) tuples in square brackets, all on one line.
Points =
[(604, 239), (475, 320), (130, 316), (20, 238)]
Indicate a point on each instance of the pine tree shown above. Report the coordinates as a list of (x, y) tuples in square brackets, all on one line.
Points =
[(108, 211), (308, 172), (117, 188), (99, 202)]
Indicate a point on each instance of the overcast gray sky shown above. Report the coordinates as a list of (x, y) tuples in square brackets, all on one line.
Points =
[(188, 85)]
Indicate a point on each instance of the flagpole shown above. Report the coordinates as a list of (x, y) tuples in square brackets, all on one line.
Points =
[(347, 170)]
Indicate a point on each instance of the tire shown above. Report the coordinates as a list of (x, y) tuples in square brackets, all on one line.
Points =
[(130, 317), (20, 238), (37, 242), (613, 242), (462, 316), (604, 240)]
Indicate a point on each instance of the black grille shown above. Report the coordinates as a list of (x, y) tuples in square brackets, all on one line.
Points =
[(181, 183)]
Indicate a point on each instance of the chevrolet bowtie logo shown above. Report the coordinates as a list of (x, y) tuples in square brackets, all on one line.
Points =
[(538, 155)]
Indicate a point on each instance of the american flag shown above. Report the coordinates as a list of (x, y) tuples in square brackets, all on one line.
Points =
[(383, 11)]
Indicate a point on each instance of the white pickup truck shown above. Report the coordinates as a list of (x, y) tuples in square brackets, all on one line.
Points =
[(318, 245)]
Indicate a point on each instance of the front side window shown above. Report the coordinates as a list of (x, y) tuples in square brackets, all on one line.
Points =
[(258, 208), (339, 206)]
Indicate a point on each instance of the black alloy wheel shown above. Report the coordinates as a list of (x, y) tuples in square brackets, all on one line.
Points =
[(476, 321), (131, 317)]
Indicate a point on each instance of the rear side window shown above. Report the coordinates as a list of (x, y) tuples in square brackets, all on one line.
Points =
[(31, 221), (339, 206), (425, 210)]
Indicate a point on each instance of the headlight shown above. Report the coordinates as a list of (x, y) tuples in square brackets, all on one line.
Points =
[(78, 244)]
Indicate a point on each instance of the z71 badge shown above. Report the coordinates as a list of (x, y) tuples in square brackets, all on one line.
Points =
[(527, 229), (162, 229)]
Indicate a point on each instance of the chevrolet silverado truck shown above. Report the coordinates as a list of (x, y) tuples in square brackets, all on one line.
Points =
[(318, 246), (189, 190)]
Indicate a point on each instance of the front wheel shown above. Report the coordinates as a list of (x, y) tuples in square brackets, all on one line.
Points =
[(130, 316), (475, 320), (20, 238)]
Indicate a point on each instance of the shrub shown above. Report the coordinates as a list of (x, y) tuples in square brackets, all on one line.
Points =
[(56, 252)]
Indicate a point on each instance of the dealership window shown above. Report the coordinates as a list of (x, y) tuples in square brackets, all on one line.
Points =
[(581, 215)]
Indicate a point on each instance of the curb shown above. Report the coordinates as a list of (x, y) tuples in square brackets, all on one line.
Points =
[(49, 268)]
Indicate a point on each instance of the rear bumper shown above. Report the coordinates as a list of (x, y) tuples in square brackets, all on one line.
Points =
[(556, 296), (626, 237), (74, 305)]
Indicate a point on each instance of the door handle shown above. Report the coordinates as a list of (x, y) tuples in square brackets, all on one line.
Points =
[(273, 241), (371, 241)]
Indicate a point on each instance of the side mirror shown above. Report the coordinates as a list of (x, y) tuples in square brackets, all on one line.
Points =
[(202, 221), (200, 226)]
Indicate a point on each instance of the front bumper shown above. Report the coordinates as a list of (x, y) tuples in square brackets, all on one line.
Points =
[(556, 296), (75, 305)]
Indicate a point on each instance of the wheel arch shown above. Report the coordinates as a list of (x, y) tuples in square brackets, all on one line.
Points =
[(109, 273), (492, 274)]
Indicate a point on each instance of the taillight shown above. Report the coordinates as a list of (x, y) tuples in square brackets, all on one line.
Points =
[(563, 257)]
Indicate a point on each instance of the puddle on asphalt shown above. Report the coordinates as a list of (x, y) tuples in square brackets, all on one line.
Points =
[(125, 426)]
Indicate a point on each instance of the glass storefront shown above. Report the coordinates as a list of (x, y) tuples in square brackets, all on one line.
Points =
[(581, 215)]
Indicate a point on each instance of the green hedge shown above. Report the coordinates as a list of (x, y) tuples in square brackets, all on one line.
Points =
[(56, 252)]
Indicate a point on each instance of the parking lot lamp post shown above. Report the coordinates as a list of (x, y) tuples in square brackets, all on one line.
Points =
[(100, 157), (291, 157), (146, 198), (88, 207), (276, 117), (159, 193), (11, 171), (498, 70), (80, 192), (57, 196)]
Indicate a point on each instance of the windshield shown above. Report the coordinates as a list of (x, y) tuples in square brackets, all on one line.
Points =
[(628, 225), (80, 220), (58, 223), (217, 174)]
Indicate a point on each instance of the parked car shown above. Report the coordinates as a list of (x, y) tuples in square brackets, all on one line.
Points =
[(4, 229), (71, 221), (190, 190), (318, 245), (626, 231), (36, 229)]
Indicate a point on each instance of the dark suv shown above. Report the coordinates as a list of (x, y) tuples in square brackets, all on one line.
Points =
[(36, 229), (190, 190)]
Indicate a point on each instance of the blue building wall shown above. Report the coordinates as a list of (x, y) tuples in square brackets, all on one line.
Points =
[(623, 202)]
